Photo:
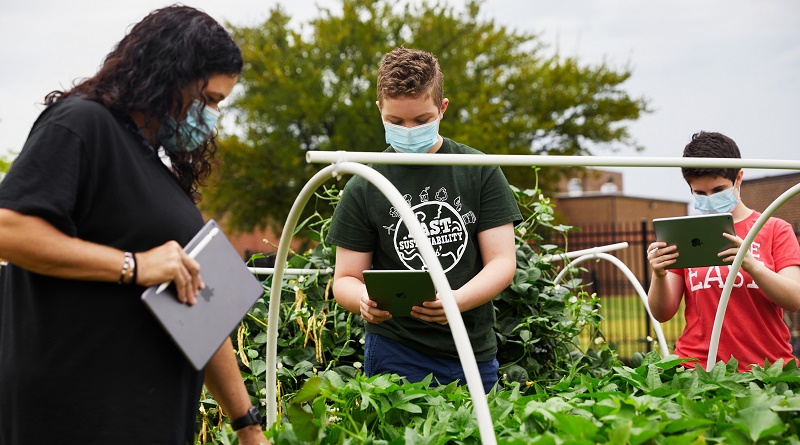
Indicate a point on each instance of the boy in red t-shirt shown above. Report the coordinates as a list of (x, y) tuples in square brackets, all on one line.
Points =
[(767, 283)]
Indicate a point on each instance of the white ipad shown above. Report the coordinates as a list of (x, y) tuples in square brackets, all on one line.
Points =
[(231, 290), (698, 238), (397, 291)]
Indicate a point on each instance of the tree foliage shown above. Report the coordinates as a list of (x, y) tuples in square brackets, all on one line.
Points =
[(312, 87), (5, 163)]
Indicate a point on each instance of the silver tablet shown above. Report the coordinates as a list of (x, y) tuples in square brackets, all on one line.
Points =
[(231, 289)]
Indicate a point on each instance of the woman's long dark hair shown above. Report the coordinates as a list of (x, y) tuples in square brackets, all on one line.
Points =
[(174, 48)]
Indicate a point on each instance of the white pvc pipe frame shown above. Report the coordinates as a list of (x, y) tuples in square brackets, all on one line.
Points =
[(597, 161), (342, 159), (463, 346)]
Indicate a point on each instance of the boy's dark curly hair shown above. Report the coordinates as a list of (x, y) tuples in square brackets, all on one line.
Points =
[(410, 73), (172, 49), (710, 145)]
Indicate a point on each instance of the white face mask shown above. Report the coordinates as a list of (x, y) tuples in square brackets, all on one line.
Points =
[(720, 202), (417, 139)]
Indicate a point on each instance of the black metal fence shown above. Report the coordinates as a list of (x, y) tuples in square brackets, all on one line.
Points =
[(625, 319)]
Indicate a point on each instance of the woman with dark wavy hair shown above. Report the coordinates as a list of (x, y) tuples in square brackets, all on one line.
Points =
[(90, 215)]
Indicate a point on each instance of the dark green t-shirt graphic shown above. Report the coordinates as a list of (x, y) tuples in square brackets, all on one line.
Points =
[(444, 226)]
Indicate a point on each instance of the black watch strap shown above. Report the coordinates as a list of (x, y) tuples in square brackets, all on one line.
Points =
[(253, 417)]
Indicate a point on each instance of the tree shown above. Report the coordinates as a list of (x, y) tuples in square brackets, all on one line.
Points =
[(313, 88), (5, 163)]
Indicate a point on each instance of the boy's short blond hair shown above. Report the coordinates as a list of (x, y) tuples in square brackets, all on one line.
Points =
[(410, 73)]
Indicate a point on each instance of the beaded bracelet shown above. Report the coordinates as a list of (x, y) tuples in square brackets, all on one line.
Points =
[(128, 264)]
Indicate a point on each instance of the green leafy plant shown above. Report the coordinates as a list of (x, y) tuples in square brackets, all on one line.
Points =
[(315, 333), (553, 391), (658, 402), (537, 322)]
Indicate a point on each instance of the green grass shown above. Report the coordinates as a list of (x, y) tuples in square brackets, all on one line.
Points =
[(624, 324)]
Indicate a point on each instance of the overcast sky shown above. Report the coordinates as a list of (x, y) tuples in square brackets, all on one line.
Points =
[(731, 66)]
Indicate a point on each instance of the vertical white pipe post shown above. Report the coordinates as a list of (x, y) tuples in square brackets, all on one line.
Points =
[(713, 345), (662, 342), (273, 317), (459, 332)]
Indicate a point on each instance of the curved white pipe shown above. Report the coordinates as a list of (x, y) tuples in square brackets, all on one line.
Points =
[(457, 328), (275, 291), (713, 345), (289, 271), (325, 157), (577, 253), (662, 342)]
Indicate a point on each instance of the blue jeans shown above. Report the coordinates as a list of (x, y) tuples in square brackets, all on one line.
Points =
[(384, 356)]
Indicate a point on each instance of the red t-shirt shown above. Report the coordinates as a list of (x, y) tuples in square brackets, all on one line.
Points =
[(753, 329)]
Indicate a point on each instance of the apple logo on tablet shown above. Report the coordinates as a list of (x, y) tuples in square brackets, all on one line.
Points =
[(207, 293), (696, 242)]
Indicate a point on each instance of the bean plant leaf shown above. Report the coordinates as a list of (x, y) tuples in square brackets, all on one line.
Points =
[(343, 350), (789, 404), (261, 338), (576, 426), (334, 379), (412, 436), (735, 436), (258, 367), (643, 430), (302, 423), (653, 378), (620, 432), (684, 424), (410, 407), (759, 422), (308, 391)]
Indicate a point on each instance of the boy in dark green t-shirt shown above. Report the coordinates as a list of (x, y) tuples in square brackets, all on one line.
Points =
[(468, 213)]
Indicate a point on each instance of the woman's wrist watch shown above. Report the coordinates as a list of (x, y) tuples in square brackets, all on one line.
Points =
[(253, 417)]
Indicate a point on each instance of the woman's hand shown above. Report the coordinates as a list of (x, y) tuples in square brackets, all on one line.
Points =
[(370, 311), (251, 435), (169, 262), (660, 255)]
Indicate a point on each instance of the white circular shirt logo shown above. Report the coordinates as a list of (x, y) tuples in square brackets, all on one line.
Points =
[(446, 232)]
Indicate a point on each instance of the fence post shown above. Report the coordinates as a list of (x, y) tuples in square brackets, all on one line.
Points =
[(645, 281)]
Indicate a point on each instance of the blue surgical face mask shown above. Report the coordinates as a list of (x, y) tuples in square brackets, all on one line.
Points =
[(194, 130), (720, 202), (417, 139)]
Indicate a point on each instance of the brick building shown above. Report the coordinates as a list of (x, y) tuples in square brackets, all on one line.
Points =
[(759, 193), (597, 197), (596, 204)]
